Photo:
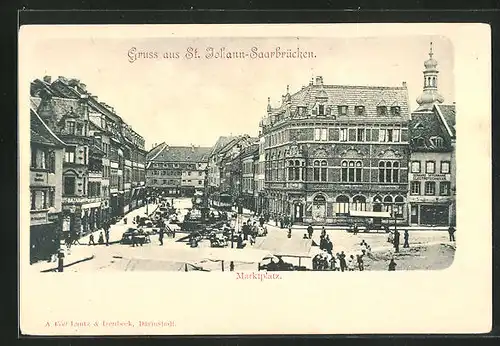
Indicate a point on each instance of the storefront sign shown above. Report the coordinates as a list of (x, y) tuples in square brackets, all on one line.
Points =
[(39, 178), (38, 218), (428, 176), (81, 200)]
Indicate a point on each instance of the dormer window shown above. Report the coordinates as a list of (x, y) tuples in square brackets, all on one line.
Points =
[(321, 110), (381, 110), (342, 110), (436, 141), (418, 142), (70, 127), (359, 110), (396, 110)]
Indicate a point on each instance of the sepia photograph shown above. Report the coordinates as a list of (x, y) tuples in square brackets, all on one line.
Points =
[(251, 156)]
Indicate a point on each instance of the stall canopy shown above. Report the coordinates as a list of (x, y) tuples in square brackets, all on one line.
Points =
[(283, 246), (381, 214)]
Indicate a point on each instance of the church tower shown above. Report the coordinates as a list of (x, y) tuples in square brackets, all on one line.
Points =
[(430, 96)]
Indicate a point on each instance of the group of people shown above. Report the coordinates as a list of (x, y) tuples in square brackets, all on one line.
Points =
[(341, 261), (103, 236)]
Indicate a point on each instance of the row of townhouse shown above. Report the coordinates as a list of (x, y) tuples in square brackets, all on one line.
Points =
[(176, 170), (329, 149), (99, 166)]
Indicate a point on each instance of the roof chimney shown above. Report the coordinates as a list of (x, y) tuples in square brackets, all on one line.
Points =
[(404, 84), (319, 80), (47, 79), (83, 86)]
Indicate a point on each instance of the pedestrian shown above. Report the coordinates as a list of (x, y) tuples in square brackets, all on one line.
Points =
[(310, 231), (406, 237), (332, 263), (322, 242), (323, 231), (125, 220), (134, 237), (281, 221), (451, 232), (351, 263), (261, 221), (355, 229), (396, 240), (91, 239), (231, 266), (106, 235), (240, 242), (328, 244), (343, 265), (101, 238), (361, 266), (289, 235), (392, 265), (160, 237)]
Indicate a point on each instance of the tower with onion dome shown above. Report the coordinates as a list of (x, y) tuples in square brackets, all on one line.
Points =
[(430, 95)]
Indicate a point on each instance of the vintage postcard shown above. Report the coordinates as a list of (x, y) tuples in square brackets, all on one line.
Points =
[(255, 179)]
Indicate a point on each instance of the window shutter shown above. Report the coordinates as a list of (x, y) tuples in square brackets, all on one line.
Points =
[(334, 134), (375, 134), (352, 135)]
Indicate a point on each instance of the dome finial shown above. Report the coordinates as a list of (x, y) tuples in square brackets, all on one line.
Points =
[(430, 51)]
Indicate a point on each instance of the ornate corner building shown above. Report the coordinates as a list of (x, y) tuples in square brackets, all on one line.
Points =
[(329, 149)]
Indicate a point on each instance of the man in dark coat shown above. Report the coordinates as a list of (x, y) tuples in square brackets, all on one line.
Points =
[(310, 231), (451, 232), (406, 237), (396, 240), (343, 264), (261, 221), (160, 238)]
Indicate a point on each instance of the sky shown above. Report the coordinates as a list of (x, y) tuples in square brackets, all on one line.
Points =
[(184, 101)]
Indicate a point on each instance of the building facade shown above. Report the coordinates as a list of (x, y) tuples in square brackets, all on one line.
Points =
[(329, 149), (46, 167), (177, 170), (432, 187), (93, 169)]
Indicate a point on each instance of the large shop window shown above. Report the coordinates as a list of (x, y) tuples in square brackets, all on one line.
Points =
[(342, 205), (399, 206), (319, 170), (388, 204), (351, 171), (359, 203), (388, 172)]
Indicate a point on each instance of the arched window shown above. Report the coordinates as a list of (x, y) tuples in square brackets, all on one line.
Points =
[(351, 171), (359, 203), (388, 204), (342, 205), (294, 170), (319, 170), (436, 141), (388, 172)]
